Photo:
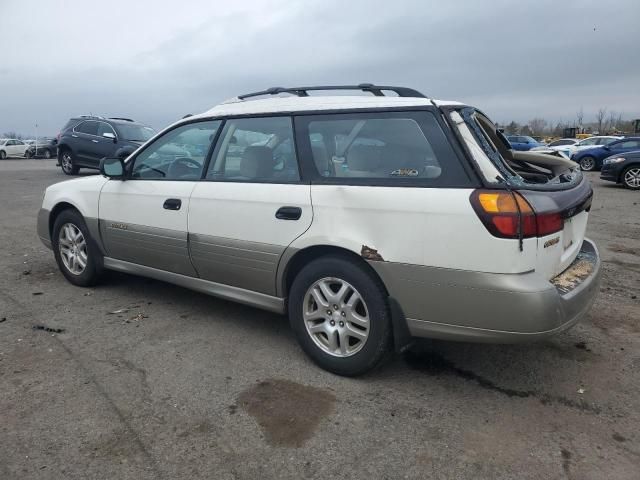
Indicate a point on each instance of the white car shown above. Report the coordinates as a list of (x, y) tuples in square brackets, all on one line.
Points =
[(11, 147), (369, 220), (563, 145)]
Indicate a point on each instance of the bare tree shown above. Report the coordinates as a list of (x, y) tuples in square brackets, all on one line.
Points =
[(537, 126), (612, 121), (580, 116), (602, 112)]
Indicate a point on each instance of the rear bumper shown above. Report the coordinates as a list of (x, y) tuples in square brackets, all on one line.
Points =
[(489, 307)]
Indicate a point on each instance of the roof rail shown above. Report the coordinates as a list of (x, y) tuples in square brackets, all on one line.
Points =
[(377, 90), (90, 116), (122, 118)]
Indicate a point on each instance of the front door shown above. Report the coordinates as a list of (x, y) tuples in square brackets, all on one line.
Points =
[(143, 219), (250, 206)]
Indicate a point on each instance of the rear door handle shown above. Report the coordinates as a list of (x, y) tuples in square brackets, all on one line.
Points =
[(289, 213), (172, 204), (95, 141)]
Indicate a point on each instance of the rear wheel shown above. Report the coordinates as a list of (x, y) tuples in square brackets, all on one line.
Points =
[(631, 177), (340, 315), (28, 154), (47, 154), (587, 163), (67, 162), (77, 256)]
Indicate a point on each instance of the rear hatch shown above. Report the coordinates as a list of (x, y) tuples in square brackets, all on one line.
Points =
[(558, 250), (558, 197)]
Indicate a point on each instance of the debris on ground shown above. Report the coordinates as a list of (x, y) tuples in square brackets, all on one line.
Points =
[(26, 272), (88, 294), (37, 293), (581, 391), (3, 319), (121, 310), (48, 329), (139, 317)]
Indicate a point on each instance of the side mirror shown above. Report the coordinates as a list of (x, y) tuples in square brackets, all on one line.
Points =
[(109, 135), (112, 168)]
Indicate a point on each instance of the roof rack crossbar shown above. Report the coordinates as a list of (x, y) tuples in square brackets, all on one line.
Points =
[(377, 90)]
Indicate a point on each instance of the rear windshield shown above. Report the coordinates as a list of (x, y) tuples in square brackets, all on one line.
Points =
[(487, 144), (135, 133)]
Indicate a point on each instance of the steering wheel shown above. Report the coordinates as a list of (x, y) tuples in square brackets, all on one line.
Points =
[(184, 166)]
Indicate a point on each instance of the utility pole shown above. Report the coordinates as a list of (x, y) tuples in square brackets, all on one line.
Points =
[(36, 154)]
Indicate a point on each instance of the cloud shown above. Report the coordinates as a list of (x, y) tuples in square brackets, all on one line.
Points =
[(156, 61)]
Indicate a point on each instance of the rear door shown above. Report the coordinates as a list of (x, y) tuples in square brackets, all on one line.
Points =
[(624, 146), (85, 138), (250, 206), (143, 219)]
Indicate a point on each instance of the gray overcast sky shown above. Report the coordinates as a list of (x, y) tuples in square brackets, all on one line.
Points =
[(156, 60)]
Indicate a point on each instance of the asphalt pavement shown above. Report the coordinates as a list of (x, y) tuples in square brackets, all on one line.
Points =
[(138, 379)]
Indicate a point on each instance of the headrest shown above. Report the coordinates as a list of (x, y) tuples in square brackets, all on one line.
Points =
[(257, 162)]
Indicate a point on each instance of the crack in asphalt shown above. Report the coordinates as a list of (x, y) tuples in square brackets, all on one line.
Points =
[(101, 391), (436, 364)]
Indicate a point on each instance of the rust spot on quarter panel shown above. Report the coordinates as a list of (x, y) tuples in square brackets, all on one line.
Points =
[(287, 412), (371, 254)]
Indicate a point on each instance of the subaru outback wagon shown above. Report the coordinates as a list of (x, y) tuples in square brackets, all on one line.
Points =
[(369, 219)]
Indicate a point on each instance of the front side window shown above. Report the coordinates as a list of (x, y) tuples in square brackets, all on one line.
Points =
[(256, 150), (607, 141), (177, 155), (105, 128), (90, 128), (560, 143), (389, 147), (589, 141)]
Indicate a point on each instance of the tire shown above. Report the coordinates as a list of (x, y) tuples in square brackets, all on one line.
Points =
[(68, 162), (325, 334), (3, 154), (631, 177), (70, 234), (47, 154), (588, 163), (28, 154)]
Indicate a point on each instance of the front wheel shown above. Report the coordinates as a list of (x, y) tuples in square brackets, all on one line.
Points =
[(587, 163), (3, 154), (67, 162), (340, 315), (631, 177), (77, 256)]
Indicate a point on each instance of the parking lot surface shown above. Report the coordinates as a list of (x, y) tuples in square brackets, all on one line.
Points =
[(137, 379)]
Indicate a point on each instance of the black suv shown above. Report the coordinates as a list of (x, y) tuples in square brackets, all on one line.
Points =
[(85, 140)]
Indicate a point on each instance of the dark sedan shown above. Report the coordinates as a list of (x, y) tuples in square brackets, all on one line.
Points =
[(44, 148), (623, 168), (593, 158)]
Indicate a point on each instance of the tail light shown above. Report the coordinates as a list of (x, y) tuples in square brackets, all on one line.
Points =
[(508, 215)]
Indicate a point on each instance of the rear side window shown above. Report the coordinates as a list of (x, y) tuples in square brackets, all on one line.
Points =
[(381, 148), (256, 150), (90, 128)]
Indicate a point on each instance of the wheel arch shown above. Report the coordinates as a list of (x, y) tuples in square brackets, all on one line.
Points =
[(292, 263), (57, 210), (294, 260)]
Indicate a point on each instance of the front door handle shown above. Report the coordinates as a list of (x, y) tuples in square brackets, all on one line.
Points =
[(289, 213), (172, 204)]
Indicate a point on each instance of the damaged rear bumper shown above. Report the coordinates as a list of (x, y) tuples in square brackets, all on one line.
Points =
[(488, 307)]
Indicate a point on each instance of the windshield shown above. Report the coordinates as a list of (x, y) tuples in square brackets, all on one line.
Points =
[(135, 133)]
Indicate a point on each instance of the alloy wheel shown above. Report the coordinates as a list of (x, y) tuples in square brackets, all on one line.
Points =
[(336, 317), (73, 248), (67, 162), (587, 164), (632, 177)]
